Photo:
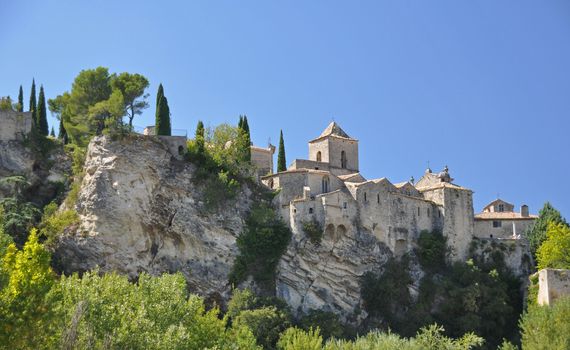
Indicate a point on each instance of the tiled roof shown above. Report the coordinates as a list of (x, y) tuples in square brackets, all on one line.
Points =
[(333, 129), (505, 215)]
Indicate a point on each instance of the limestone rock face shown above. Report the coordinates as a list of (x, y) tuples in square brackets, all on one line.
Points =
[(326, 276), (43, 173), (141, 210)]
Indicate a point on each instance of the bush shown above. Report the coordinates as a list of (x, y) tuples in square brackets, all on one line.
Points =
[(432, 250), (55, 222), (547, 327), (313, 230), (555, 250), (327, 323), (264, 239), (266, 323)]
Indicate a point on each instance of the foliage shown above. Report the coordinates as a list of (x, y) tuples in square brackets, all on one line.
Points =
[(6, 104), (245, 138), (17, 216), (162, 126), (314, 230), (432, 250), (55, 222), (547, 327), (41, 122), (281, 161), (33, 102), (537, 233), (25, 311), (555, 250), (155, 313), (200, 139), (20, 100), (264, 239), (266, 323), (431, 338), (132, 88), (327, 322), (96, 102)]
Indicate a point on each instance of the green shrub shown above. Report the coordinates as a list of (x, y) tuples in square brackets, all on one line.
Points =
[(264, 239), (547, 327), (55, 222), (314, 230), (327, 322), (432, 250), (266, 323)]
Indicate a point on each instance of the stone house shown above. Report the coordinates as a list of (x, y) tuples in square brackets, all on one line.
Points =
[(14, 125), (499, 220)]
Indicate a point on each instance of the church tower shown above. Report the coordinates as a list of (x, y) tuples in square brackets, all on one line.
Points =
[(336, 148)]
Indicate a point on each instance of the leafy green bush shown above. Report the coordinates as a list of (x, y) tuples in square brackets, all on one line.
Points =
[(327, 323), (266, 323), (264, 239), (547, 327), (554, 252), (432, 250), (314, 230), (54, 223)]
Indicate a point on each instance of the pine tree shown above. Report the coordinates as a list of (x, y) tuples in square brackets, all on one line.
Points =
[(162, 126), (200, 139), (537, 233), (33, 103), (42, 122), (21, 100), (281, 162)]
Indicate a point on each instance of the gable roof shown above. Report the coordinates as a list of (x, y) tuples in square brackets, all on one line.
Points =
[(497, 201), (333, 129)]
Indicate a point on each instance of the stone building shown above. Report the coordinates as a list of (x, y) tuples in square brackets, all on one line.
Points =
[(327, 188), (262, 159), (14, 125), (552, 285), (499, 220)]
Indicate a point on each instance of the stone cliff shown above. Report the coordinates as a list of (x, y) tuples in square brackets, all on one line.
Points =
[(141, 210)]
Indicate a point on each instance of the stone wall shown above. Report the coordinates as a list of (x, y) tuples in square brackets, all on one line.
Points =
[(485, 229), (552, 284), (262, 160), (176, 145), (350, 147), (15, 125)]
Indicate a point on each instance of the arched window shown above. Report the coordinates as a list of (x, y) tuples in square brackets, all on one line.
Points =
[(343, 159), (325, 184), (318, 156)]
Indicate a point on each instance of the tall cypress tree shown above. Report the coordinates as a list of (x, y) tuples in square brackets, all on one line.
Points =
[(42, 122), (240, 123), (52, 133), (162, 126), (21, 100), (62, 134), (200, 138), (281, 162), (33, 104), (247, 139)]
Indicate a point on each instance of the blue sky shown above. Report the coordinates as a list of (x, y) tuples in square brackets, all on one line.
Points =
[(480, 86)]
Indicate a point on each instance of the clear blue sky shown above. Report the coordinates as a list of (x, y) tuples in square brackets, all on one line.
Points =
[(482, 86)]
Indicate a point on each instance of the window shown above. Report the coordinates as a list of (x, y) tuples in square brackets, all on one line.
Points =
[(427, 211), (365, 196), (439, 213), (271, 183), (310, 210), (344, 205), (418, 211), (318, 156), (501, 208), (325, 184), (378, 198), (497, 224), (343, 159)]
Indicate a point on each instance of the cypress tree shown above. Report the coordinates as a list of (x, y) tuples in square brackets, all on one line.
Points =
[(62, 135), (21, 100), (162, 126), (42, 122), (200, 140), (33, 102), (52, 133), (240, 123), (281, 162), (247, 139)]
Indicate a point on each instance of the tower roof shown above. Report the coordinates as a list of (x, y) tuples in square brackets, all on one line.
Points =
[(333, 129)]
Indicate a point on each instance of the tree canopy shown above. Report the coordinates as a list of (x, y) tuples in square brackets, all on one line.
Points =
[(281, 162), (537, 233)]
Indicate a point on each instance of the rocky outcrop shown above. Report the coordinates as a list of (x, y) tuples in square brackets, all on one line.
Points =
[(141, 209), (326, 276), (46, 174)]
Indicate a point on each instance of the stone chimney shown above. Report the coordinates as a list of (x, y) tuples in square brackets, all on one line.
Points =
[(524, 210)]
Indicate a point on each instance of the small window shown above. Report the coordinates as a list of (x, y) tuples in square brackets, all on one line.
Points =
[(427, 211), (497, 224), (318, 156), (343, 159), (180, 150), (295, 211), (418, 211), (310, 210), (501, 208), (344, 205), (325, 184), (365, 196), (378, 198), (439, 213)]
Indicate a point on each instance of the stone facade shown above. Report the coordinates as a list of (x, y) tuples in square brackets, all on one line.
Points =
[(552, 284), (15, 125), (262, 159), (499, 220)]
